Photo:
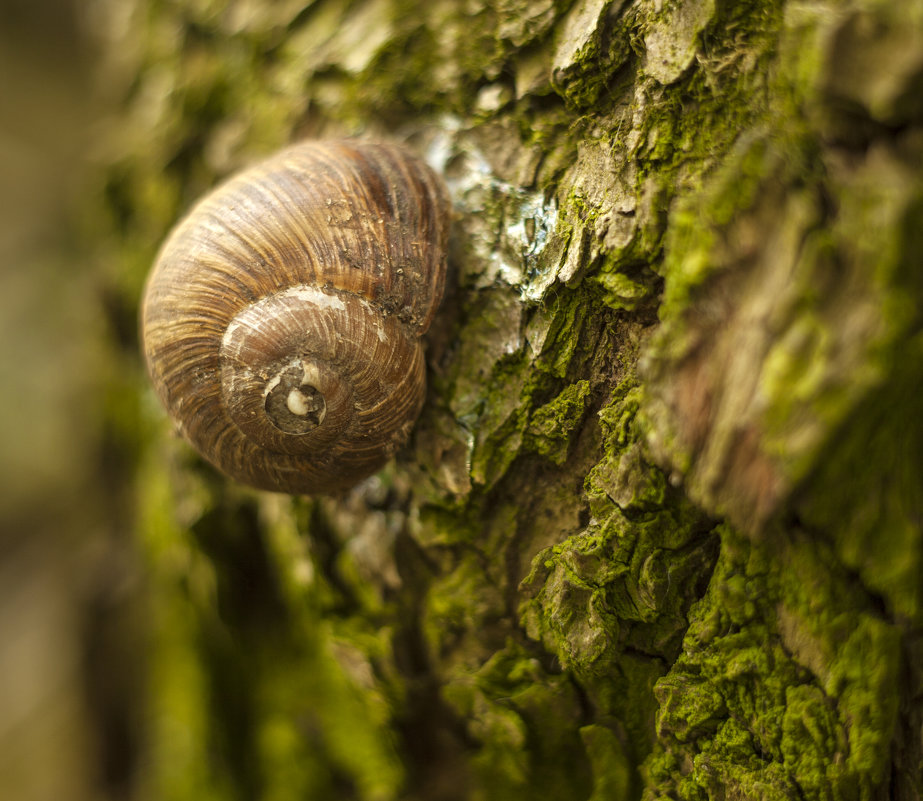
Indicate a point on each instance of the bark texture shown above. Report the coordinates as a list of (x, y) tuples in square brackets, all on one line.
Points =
[(658, 531)]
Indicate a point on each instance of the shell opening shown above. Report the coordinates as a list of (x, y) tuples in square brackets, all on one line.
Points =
[(293, 404)]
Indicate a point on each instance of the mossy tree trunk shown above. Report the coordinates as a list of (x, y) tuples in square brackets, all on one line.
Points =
[(658, 531)]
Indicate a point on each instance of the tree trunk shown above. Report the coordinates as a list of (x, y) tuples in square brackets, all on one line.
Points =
[(657, 533)]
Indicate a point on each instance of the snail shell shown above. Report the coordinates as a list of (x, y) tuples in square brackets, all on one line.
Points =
[(282, 319)]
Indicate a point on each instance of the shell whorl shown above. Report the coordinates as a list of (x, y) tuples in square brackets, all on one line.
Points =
[(282, 318)]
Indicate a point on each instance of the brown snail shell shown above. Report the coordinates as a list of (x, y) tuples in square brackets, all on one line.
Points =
[(282, 319)]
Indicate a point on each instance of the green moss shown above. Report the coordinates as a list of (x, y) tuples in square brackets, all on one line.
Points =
[(599, 602), (504, 379), (624, 293), (178, 682), (552, 425), (250, 690), (587, 69), (449, 615), (570, 313), (691, 241), (784, 689), (611, 762), (514, 710)]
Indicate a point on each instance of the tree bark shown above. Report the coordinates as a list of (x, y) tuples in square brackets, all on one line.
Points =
[(657, 533)]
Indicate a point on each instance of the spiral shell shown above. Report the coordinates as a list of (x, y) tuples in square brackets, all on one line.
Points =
[(282, 319)]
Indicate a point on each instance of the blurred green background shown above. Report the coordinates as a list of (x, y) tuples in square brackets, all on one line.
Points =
[(66, 569)]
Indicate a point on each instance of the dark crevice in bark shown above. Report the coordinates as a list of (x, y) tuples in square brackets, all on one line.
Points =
[(433, 739)]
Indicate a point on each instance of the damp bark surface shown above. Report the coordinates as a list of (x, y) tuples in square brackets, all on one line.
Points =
[(657, 533)]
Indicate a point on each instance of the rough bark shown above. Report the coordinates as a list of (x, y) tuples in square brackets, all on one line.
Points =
[(658, 531)]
